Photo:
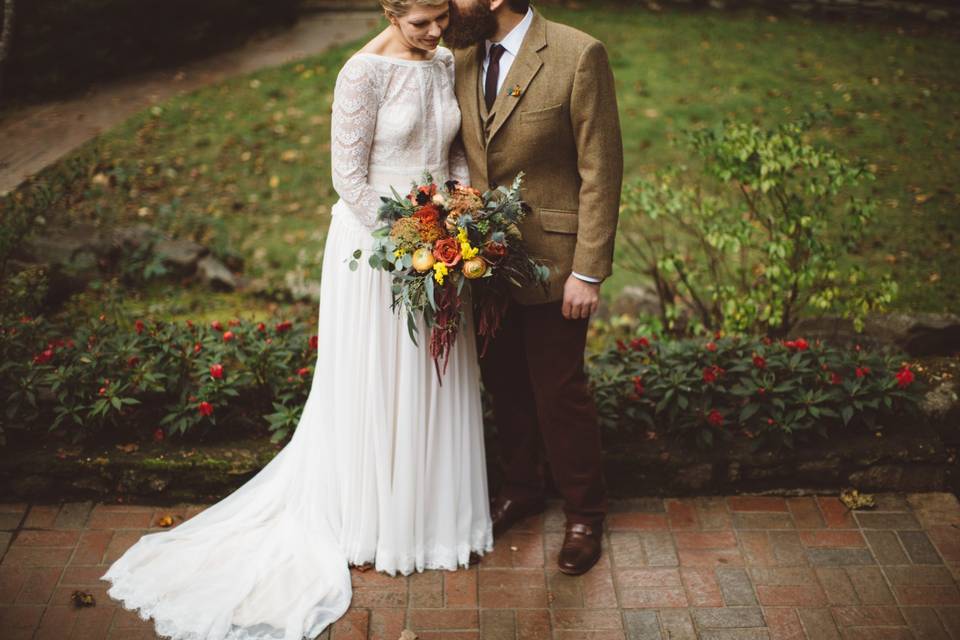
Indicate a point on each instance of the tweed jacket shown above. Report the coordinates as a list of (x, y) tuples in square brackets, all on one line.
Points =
[(555, 118)]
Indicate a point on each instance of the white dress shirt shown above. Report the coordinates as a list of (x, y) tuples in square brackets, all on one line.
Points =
[(511, 45)]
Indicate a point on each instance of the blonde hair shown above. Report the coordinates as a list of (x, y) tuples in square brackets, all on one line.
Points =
[(400, 8)]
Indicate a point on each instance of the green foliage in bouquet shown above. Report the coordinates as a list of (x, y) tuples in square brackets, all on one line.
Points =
[(761, 245)]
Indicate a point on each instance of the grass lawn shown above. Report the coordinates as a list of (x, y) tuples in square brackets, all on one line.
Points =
[(244, 165)]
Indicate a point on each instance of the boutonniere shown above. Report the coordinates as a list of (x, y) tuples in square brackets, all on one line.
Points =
[(516, 91)]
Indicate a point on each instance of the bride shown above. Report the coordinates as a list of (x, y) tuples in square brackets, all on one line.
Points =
[(386, 466)]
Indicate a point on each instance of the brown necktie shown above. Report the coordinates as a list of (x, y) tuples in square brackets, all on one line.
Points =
[(493, 75)]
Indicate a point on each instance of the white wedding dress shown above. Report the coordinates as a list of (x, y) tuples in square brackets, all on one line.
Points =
[(386, 464)]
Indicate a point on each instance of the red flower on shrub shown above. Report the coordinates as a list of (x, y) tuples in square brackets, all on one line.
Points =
[(138, 326), (261, 327), (639, 343), (759, 362), (216, 325), (43, 357), (314, 342), (761, 391), (711, 346), (862, 372), (799, 344), (70, 343), (621, 345), (205, 408), (835, 378), (132, 361), (189, 324), (711, 373), (197, 347), (286, 325), (158, 434), (638, 385), (102, 391), (904, 377), (216, 371), (228, 336), (303, 371), (715, 418), (234, 323)]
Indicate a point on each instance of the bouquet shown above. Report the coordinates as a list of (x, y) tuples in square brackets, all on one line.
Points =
[(439, 238)]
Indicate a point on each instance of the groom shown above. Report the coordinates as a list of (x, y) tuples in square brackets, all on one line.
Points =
[(537, 96)]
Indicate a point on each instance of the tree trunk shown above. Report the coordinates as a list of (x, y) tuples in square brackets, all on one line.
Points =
[(6, 37)]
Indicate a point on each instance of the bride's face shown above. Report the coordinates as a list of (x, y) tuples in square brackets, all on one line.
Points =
[(422, 27)]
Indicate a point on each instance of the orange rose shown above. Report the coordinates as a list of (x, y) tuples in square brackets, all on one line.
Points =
[(447, 251)]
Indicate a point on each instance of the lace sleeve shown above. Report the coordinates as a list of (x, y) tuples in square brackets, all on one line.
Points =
[(459, 170), (356, 100)]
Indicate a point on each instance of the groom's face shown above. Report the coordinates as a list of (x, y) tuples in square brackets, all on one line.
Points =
[(471, 22)]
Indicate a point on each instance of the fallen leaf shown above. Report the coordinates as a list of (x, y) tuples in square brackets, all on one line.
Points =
[(165, 521), (82, 599), (129, 447), (853, 499)]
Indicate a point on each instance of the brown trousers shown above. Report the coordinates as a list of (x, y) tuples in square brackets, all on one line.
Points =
[(534, 370)]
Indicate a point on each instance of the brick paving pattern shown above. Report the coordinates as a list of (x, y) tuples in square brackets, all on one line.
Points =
[(715, 568)]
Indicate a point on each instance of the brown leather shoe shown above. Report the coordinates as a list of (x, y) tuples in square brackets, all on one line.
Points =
[(506, 512), (581, 548)]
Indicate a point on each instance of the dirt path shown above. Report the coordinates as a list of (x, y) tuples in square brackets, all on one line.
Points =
[(38, 136)]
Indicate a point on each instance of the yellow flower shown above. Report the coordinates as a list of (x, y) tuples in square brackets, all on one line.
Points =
[(439, 272), (399, 253), (466, 250)]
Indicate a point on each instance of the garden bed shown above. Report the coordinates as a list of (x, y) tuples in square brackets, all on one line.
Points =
[(913, 457)]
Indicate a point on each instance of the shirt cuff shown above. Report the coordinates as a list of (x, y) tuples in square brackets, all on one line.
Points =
[(586, 278)]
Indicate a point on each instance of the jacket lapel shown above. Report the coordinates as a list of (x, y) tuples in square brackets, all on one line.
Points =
[(522, 72), (472, 108)]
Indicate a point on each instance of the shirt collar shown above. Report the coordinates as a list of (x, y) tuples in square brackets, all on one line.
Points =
[(514, 39)]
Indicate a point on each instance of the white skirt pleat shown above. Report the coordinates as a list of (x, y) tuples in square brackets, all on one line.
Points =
[(386, 466)]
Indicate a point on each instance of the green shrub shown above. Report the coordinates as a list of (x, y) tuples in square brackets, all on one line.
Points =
[(752, 251), (777, 393), (105, 374)]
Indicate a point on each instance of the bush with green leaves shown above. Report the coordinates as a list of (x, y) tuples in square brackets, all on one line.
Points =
[(174, 377), (758, 238), (777, 393)]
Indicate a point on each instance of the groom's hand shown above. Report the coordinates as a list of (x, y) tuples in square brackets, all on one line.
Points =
[(580, 298)]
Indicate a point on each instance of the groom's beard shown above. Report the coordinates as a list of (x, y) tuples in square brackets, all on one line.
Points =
[(469, 27)]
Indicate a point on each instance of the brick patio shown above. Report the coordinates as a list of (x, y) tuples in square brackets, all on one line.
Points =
[(740, 567)]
